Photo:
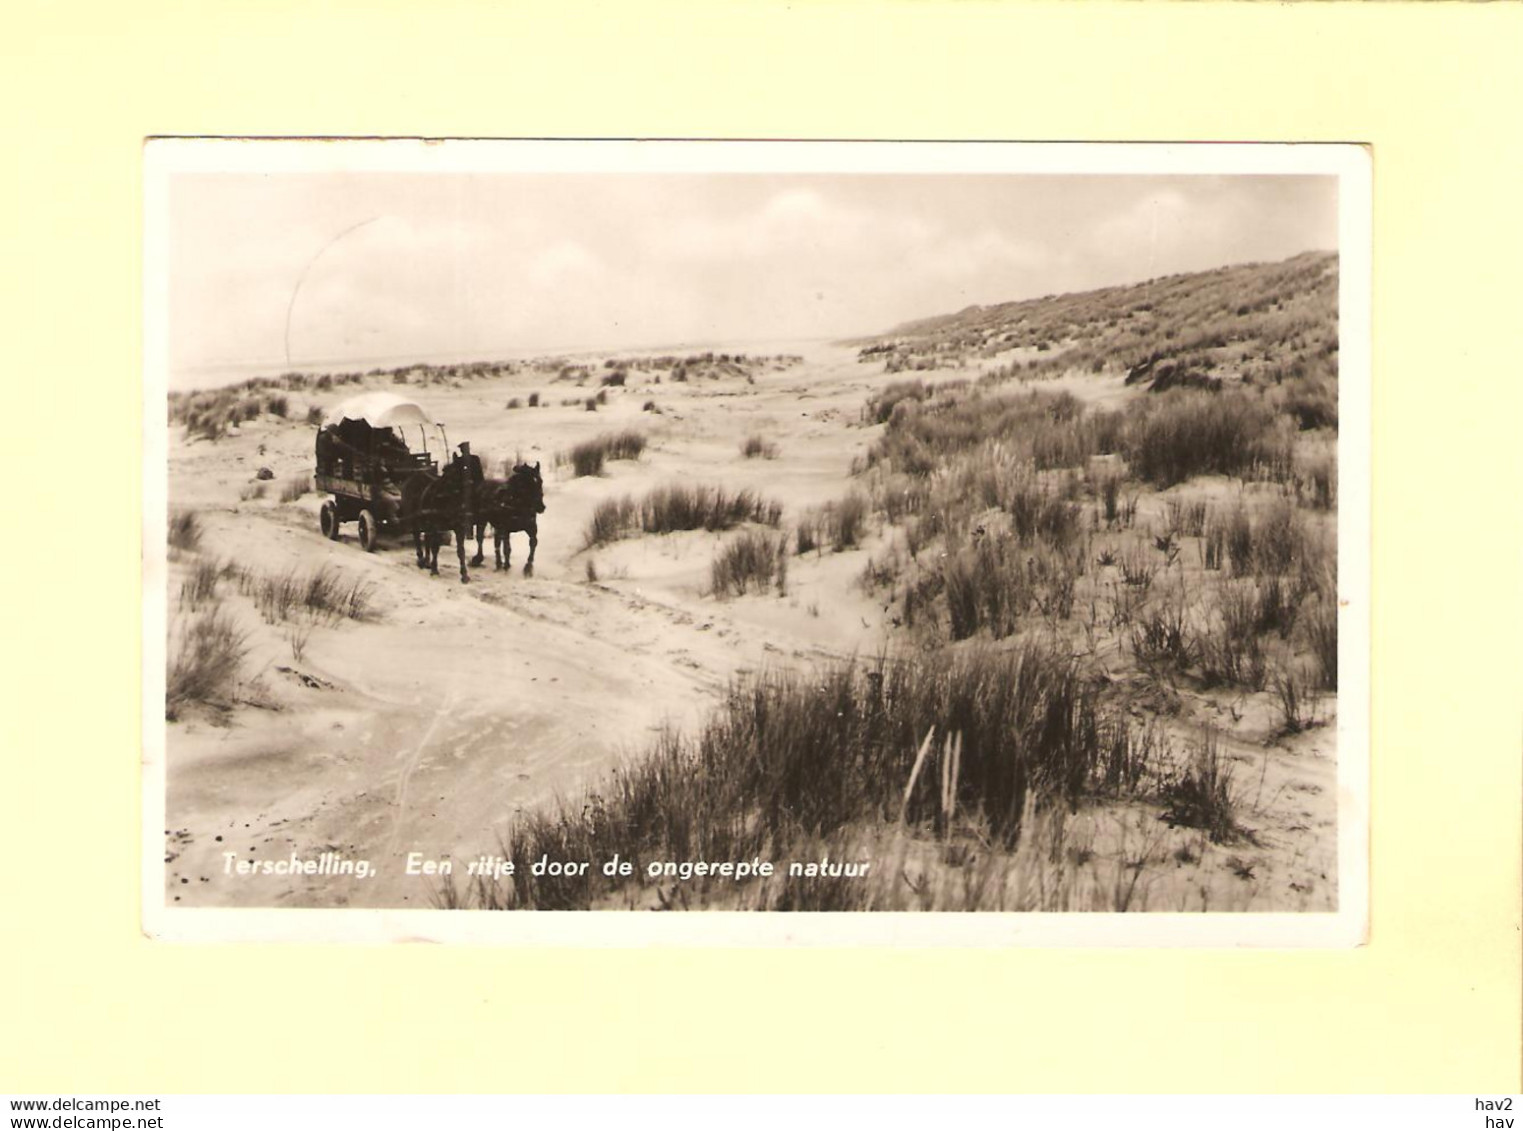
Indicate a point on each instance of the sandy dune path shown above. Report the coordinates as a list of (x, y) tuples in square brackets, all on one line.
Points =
[(486, 698)]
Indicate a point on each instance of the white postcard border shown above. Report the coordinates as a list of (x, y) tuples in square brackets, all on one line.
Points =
[(1348, 926)]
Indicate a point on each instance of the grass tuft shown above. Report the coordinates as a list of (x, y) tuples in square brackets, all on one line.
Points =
[(686, 507), (185, 531), (919, 748), (1321, 629), (1201, 796), (1298, 706), (1184, 433), (588, 457), (1229, 647), (611, 520), (321, 595), (678, 507), (295, 487), (752, 562), (201, 586), (758, 447), (203, 668)]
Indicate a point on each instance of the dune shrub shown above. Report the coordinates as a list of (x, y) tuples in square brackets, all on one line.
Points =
[(879, 408), (1312, 403), (1184, 433)]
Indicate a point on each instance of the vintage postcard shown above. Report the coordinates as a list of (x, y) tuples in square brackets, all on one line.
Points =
[(616, 543)]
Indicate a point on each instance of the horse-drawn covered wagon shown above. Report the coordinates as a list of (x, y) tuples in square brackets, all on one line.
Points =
[(364, 462), (377, 481)]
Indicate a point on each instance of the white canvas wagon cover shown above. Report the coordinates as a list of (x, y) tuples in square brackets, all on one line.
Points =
[(379, 410)]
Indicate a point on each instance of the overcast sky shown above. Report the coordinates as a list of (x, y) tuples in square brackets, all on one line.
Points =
[(411, 266)]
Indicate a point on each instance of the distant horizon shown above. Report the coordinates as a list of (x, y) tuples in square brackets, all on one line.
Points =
[(274, 368), (207, 376)]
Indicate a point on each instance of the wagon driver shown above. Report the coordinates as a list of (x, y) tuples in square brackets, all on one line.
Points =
[(471, 475)]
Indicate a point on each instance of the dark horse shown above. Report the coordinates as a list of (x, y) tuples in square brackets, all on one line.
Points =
[(432, 504), (510, 506)]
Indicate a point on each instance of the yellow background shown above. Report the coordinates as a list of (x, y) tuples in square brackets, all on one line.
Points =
[(1431, 1004)]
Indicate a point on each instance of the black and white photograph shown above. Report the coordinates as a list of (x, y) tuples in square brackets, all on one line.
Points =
[(966, 541)]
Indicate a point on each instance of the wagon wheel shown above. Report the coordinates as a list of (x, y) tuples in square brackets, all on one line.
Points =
[(328, 519), (370, 531)]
